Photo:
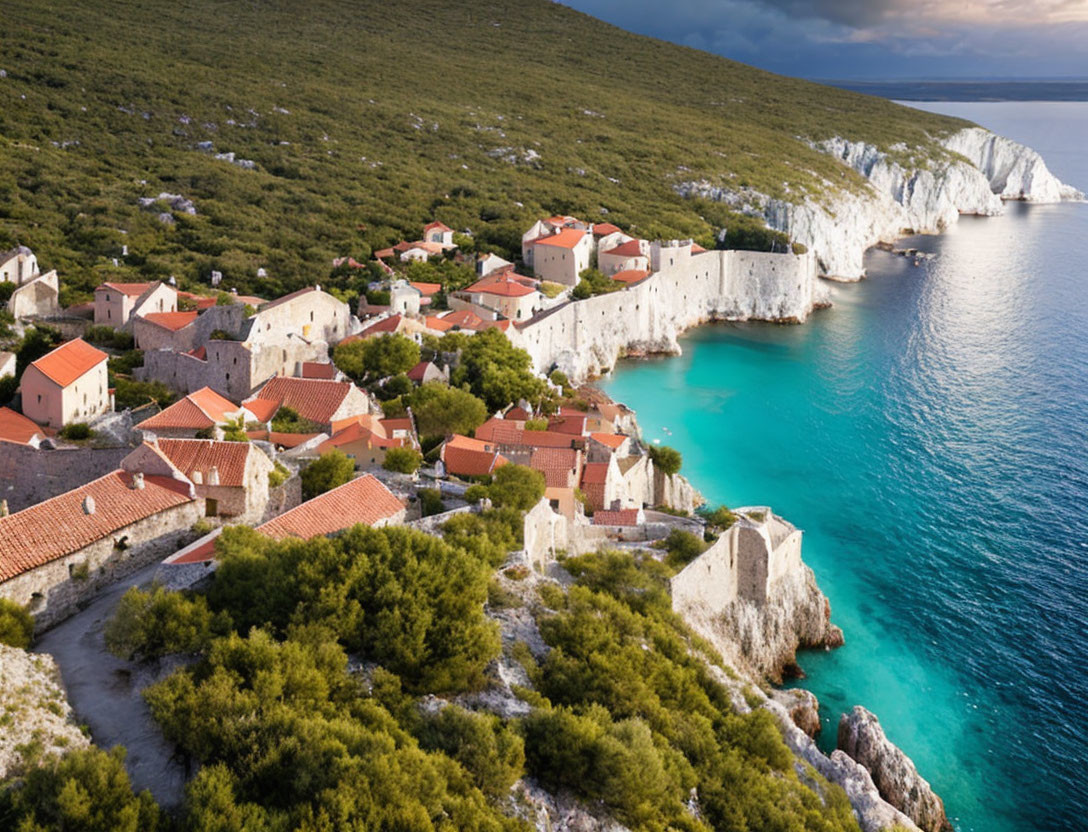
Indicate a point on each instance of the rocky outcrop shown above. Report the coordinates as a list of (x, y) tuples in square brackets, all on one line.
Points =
[(802, 706), (33, 708), (862, 739), (676, 492), (917, 191)]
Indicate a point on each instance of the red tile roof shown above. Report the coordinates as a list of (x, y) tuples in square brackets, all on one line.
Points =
[(572, 423), (503, 286), (567, 238), (402, 423), (192, 455), (631, 275), (262, 409), (595, 473), (199, 352), (60, 526), (622, 517), (438, 324), (389, 324), (603, 229), (69, 361), (503, 431), (470, 457), (358, 432), (130, 289), (363, 500), (318, 369), (558, 465), (15, 427), (518, 413), (697, 249), (629, 249), (313, 399), (201, 301), (284, 440), (198, 551), (464, 319), (547, 439), (417, 372), (609, 440), (171, 320), (202, 409), (441, 226), (426, 289)]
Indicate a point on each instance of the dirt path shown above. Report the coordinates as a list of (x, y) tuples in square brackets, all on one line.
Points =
[(105, 693)]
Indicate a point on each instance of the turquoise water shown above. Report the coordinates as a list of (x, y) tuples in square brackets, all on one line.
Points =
[(929, 435)]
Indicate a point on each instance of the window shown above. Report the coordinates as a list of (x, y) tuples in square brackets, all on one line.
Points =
[(109, 312), (39, 398), (211, 507), (311, 316)]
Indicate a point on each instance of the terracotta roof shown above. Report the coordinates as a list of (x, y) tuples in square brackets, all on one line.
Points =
[(171, 320), (358, 432), (631, 275), (503, 431), (436, 323), (284, 440), (697, 249), (518, 413), (201, 409), (470, 457), (363, 500), (69, 361), (572, 423), (262, 409), (418, 371), (623, 517), (603, 229), (60, 526), (629, 249), (192, 455), (567, 238), (401, 423), (547, 439), (389, 324), (609, 440), (199, 551), (201, 301), (441, 226), (426, 289), (313, 399), (15, 427), (318, 369), (199, 352), (595, 473), (503, 286), (130, 289), (558, 465)]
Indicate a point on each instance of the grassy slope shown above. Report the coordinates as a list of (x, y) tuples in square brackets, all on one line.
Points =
[(372, 79)]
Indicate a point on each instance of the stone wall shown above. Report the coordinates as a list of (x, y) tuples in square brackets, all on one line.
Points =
[(585, 338), (29, 475), (54, 590)]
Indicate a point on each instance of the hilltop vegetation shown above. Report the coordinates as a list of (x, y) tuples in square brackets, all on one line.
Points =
[(364, 119)]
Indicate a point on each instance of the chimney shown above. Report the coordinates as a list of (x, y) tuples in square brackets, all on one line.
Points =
[(213, 475), (197, 478), (3, 508), (88, 505), (137, 481)]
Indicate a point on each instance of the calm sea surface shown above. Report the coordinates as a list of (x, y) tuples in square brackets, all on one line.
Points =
[(930, 435)]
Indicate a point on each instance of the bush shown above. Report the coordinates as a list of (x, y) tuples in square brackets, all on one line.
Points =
[(683, 547), (667, 460), (592, 282), (107, 336), (287, 420), (720, 518), (128, 395), (331, 470), (430, 501), (149, 625), (492, 752), (516, 486), (279, 475), (476, 492), (76, 431), (16, 624), (402, 460)]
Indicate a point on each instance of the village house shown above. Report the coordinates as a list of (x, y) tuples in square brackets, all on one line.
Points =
[(516, 443), (35, 294), (364, 500), (404, 298), (602, 446), (491, 264), (156, 330), (116, 303), (628, 256), (16, 428), (58, 553), (464, 457), (366, 441), (427, 291), (229, 478), (508, 294), (602, 485), (438, 232), (547, 228), (68, 384), (198, 413), (330, 405), (562, 257), (426, 371)]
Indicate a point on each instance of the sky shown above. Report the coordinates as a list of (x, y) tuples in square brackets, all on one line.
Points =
[(871, 39)]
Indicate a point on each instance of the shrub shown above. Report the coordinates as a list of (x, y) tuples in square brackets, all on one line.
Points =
[(107, 336), (593, 282), (128, 395), (667, 460), (279, 475), (476, 492), (234, 430), (287, 420), (402, 460), (331, 470), (516, 486), (683, 547), (76, 431), (149, 625), (492, 752), (16, 624), (721, 518), (536, 424), (430, 501)]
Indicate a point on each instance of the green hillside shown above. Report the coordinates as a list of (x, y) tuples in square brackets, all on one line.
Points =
[(365, 119)]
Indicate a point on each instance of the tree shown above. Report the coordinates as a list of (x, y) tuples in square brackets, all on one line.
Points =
[(516, 486), (497, 371), (402, 460), (16, 624), (37, 341), (372, 359), (395, 387), (441, 410), (430, 501), (234, 430), (492, 752), (665, 459), (149, 625), (330, 470), (87, 789)]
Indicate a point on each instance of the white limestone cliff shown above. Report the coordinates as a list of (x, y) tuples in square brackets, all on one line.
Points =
[(981, 170)]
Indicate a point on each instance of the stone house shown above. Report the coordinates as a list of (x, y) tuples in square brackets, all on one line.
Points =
[(490, 264), (465, 457), (365, 440), (546, 228), (364, 500), (628, 256), (602, 485), (18, 265), (115, 304), (36, 294), (201, 412), (68, 384), (510, 295), (426, 371), (404, 298), (601, 446), (58, 553), (309, 313), (230, 479), (438, 232), (562, 257), (156, 330), (329, 404)]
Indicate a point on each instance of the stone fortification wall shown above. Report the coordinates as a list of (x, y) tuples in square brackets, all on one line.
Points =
[(585, 338), (30, 475)]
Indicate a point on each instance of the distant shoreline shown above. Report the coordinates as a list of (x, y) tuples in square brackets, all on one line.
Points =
[(981, 91)]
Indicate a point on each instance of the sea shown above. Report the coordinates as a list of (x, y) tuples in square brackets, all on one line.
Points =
[(929, 433)]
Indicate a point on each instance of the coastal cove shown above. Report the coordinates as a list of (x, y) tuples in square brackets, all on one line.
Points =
[(927, 433)]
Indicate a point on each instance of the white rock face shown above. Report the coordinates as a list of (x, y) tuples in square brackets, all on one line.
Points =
[(898, 200)]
